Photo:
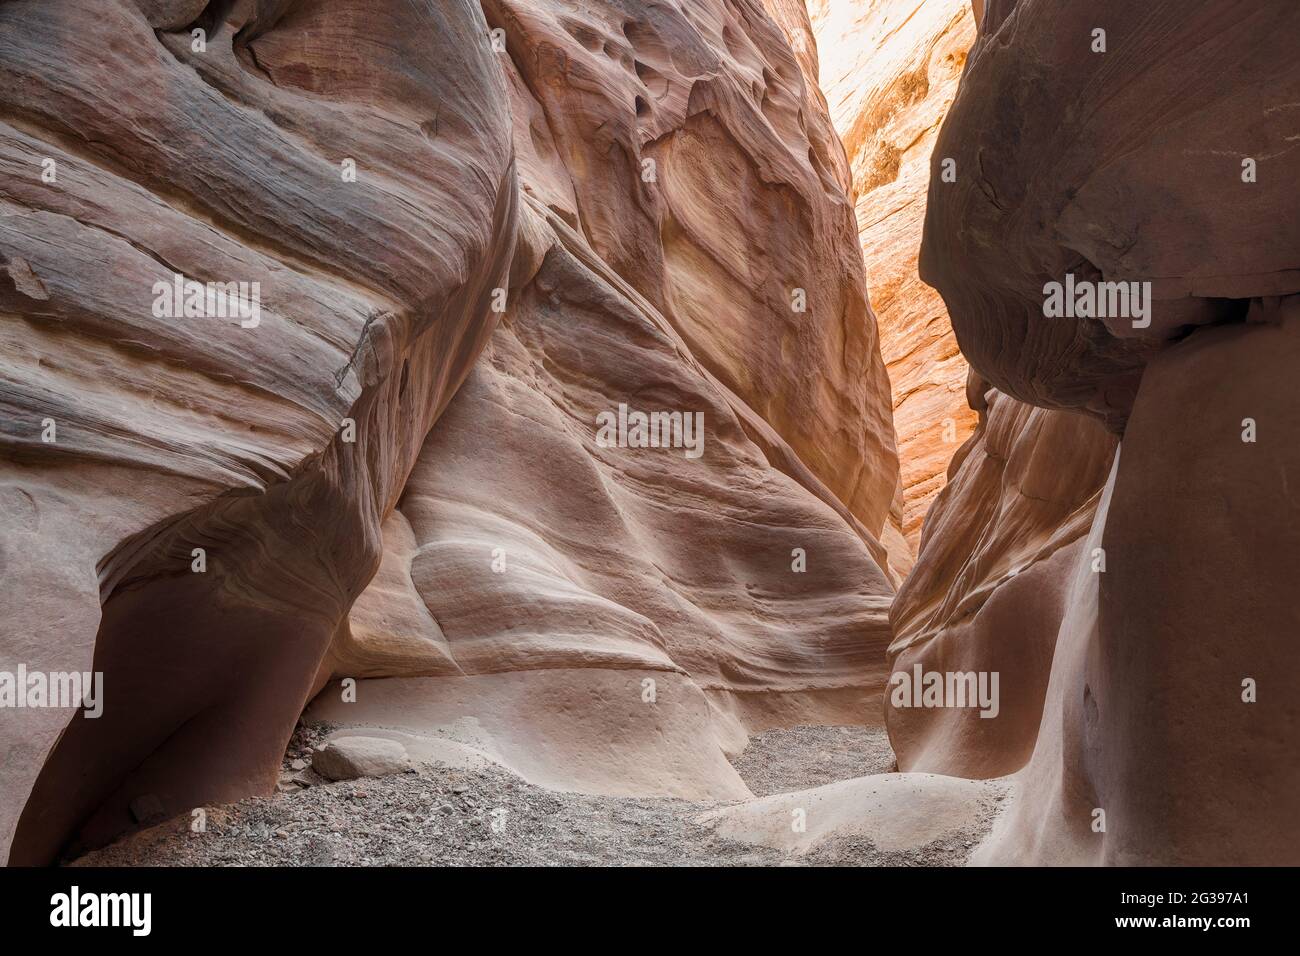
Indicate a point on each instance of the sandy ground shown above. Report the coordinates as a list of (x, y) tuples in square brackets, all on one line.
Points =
[(439, 816)]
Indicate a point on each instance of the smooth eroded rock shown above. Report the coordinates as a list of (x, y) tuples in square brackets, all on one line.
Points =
[(890, 72), (1119, 157), (350, 757), (672, 598), (198, 497)]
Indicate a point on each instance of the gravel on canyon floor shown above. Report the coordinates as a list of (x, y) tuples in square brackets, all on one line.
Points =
[(441, 816), (779, 761)]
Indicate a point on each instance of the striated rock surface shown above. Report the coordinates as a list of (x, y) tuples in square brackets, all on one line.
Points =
[(617, 205), (645, 588), (989, 581), (134, 434), (1160, 712), (1122, 165), (988, 589), (690, 149), (890, 72), (1158, 151), (616, 619)]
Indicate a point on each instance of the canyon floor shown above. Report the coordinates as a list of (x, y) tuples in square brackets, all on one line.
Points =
[(438, 815)]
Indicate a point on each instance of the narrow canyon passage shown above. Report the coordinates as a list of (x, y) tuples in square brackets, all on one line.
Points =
[(841, 432), (590, 612)]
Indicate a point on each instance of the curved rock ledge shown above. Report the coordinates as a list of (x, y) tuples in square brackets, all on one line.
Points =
[(278, 447)]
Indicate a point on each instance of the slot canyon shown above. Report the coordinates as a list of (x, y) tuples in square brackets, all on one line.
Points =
[(648, 410)]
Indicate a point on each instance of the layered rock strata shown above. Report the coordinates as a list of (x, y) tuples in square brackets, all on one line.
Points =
[(890, 73), (621, 207), (616, 619), (192, 501), (1098, 144)]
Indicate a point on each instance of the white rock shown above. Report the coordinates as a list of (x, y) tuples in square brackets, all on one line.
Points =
[(346, 758)]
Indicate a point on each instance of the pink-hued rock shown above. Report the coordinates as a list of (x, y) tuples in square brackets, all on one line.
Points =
[(890, 73), (672, 602), (688, 145), (1123, 164), (528, 548), (988, 587), (128, 156), (1170, 706), (661, 196)]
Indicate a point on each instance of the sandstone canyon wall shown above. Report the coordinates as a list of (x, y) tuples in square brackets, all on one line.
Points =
[(481, 228), (890, 71), (552, 581), (133, 438), (988, 587), (989, 583), (567, 208), (1146, 613)]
